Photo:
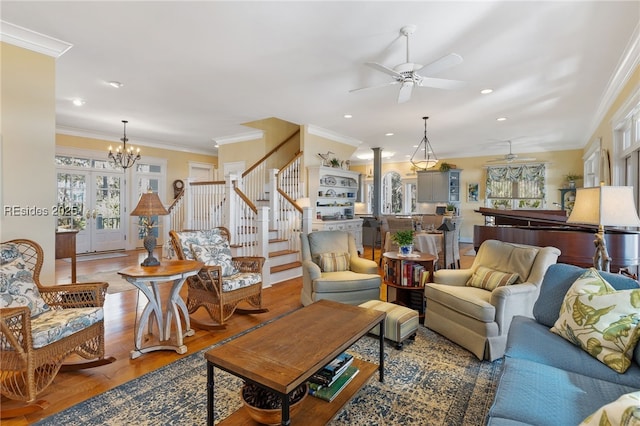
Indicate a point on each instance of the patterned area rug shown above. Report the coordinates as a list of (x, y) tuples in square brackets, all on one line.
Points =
[(430, 382), (117, 284)]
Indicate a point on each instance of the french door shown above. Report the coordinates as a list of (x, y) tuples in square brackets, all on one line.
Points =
[(92, 203)]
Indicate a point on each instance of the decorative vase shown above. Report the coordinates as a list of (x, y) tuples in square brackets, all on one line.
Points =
[(406, 250), (270, 416)]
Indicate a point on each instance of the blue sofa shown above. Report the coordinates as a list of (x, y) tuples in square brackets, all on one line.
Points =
[(546, 380)]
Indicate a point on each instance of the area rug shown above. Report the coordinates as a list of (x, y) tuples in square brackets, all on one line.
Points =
[(430, 382), (117, 284)]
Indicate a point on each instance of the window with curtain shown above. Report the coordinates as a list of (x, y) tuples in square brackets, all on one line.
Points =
[(516, 186)]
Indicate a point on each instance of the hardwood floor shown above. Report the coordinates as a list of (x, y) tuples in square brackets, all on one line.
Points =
[(121, 313)]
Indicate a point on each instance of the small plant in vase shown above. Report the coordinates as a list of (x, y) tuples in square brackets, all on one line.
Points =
[(404, 240), (572, 178), (451, 209)]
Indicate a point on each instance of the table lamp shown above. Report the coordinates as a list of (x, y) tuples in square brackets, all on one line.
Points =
[(604, 206), (149, 205)]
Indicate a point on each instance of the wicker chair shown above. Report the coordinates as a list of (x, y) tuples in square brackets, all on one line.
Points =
[(31, 354), (219, 287)]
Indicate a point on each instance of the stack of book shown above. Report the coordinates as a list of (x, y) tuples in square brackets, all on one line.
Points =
[(327, 383)]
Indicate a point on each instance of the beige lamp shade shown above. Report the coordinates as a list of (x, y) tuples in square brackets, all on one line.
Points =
[(149, 205), (303, 202), (606, 206)]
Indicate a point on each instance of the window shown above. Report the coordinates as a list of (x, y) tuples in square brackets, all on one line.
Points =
[(516, 187), (392, 194), (627, 147)]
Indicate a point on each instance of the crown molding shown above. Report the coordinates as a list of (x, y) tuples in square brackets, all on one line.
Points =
[(239, 137), (328, 134), (628, 63), (71, 131), (31, 40)]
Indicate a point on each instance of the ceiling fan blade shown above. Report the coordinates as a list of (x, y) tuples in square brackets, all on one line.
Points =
[(405, 92), (442, 64), (374, 87), (382, 68), (440, 83)]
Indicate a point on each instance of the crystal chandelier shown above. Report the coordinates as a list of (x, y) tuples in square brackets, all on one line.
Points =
[(428, 158), (123, 157)]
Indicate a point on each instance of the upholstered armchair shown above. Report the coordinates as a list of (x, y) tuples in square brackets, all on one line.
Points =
[(41, 326), (332, 269), (474, 307), (225, 281)]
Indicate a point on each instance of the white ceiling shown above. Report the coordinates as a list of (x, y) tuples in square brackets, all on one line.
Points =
[(194, 71)]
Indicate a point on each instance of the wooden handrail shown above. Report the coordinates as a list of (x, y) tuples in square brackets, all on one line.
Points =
[(295, 157), (211, 182), (289, 199), (173, 204), (270, 153), (245, 198)]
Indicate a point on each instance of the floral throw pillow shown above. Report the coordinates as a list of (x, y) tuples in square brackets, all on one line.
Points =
[(623, 411), (490, 279), (333, 262), (217, 254), (17, 288), (602, 321), (8, 253)]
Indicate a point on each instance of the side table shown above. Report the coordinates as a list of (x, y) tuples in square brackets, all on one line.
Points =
[(147, 280), (408, 295)]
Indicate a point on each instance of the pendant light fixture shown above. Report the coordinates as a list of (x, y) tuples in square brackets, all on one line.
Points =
[(424, 158), (124, 157)]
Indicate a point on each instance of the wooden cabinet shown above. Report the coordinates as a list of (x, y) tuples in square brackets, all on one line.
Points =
[(439, 187)]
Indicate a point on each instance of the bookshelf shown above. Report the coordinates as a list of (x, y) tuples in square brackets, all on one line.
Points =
[(405, 278)]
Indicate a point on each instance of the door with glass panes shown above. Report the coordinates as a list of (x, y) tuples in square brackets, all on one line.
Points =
[(91, 201)]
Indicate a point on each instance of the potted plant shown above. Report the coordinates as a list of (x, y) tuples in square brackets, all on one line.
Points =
[(445, 167), (572, 178), (335, 163), (451, 209), (404, 240)]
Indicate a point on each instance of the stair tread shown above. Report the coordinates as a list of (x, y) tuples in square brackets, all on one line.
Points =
[(281, 253), (285, 267), (277, 240)]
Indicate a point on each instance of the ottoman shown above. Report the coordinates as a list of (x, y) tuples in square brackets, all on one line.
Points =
[(401, 322)]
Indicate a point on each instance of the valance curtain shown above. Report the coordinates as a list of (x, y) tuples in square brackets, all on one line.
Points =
[(517, 181)]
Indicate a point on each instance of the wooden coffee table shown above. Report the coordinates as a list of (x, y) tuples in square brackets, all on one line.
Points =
[(283, 354)]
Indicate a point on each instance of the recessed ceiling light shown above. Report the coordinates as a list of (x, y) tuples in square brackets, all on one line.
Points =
[(79, 102), (115, 84), (486, 91), (388, 134), (501, 119), (348, 116)]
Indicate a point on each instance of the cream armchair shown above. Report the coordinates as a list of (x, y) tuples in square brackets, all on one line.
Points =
[(332, 269), (474, 307)]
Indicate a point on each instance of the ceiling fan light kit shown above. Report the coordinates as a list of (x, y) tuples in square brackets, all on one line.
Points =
[(405, 74), (428, 158), (510, 157)]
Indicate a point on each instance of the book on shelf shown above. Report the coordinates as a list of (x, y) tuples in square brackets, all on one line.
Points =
[(328, 374), (328, 393)]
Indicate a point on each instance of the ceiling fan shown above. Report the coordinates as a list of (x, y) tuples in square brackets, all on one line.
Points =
[(405, 74), (510, 157)]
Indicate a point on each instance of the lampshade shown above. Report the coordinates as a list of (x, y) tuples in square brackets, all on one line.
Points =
[(606, 206), (303, 202), (149, 205)]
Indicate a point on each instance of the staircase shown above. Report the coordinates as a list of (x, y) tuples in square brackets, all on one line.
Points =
[(258, 208), (285, 263)]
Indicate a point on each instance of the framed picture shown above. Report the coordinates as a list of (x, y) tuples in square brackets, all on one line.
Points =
[(472, 192)]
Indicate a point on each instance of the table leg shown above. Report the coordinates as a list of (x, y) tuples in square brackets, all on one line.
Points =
[(210, 394), (172, 312), (286, 421), (381, 362), (151, 308)]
